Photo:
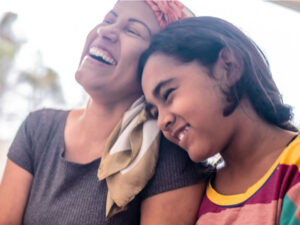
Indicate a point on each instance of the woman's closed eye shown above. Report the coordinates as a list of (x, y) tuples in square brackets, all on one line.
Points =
[(134, 31), (109, 18), (108, 21)]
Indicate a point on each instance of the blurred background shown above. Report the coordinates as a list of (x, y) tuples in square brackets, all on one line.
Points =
[(41, 43)]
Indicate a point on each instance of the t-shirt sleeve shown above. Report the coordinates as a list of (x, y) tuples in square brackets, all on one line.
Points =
[(174, 170), (21, 149)]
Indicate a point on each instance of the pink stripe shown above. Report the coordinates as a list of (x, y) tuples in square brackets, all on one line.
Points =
[(266, 214)]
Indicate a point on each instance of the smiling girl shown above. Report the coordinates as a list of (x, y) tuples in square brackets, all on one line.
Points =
[(211, 90)]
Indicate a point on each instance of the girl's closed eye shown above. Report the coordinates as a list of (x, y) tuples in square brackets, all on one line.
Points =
[(167, 95), (152, 111)]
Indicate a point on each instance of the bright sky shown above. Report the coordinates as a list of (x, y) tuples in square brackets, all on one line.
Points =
[(58, 29)]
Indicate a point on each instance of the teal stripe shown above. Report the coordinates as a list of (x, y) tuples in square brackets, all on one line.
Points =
[(288, 210)]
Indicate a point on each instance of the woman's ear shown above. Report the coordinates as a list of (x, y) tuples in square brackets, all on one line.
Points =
[(228, 70)]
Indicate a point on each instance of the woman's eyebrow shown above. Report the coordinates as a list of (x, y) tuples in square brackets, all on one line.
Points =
[(133, 20), (140, 22), (156, 91), (114, 13)]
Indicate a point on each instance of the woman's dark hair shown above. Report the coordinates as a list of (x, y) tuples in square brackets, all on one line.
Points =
[(202, 39)]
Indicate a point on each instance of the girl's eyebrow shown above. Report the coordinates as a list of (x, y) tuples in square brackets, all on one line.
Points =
[(157, 89)]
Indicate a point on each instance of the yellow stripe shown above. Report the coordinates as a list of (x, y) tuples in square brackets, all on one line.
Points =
[(292, 155), (288, 157)]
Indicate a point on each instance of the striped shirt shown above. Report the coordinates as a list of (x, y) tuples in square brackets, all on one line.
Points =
[(274, 199)]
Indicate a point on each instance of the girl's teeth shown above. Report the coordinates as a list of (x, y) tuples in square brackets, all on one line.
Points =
[(182, 133), (180, 137)]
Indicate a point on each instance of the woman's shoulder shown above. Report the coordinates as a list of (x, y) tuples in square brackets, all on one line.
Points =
[(47, 115), (33, 136), (41, 122)]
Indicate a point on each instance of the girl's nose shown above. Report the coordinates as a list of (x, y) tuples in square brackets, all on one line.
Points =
[(165, 121)]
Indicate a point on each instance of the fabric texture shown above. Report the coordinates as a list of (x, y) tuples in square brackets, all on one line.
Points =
[(274, 199), (169, 11), (68, 193), (129, 157)]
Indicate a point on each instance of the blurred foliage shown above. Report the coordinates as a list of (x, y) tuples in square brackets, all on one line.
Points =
[(8, 48), (42, 81)]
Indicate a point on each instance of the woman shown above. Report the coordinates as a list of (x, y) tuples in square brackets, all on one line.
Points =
[(211, 89), (51, 173)]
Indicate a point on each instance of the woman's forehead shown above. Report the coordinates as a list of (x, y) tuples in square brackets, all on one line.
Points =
[(138, 10)]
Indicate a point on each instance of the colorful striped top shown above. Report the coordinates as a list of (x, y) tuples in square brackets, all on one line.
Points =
[(274, 199)]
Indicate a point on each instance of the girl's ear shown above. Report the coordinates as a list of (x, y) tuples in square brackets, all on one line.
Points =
[(228, 70)]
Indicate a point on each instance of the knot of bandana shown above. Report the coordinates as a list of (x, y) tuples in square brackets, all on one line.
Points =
[(168, 11)]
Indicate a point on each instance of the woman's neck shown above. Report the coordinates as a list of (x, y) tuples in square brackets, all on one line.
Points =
[(87, 130), (106, 116)]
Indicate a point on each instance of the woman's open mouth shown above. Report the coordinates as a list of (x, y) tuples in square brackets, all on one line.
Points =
[(102, 56)]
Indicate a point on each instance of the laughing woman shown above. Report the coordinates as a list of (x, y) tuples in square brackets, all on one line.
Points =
[(51, 172), (211, 89)]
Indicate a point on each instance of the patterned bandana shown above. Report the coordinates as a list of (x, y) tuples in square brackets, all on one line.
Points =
[(168, 11)]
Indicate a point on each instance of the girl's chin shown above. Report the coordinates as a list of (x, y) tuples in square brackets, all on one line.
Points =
[(196, 156)]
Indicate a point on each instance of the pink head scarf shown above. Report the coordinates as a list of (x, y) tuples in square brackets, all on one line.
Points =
[(168, 11)]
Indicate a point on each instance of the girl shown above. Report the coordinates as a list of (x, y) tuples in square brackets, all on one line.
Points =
[(211, 90)]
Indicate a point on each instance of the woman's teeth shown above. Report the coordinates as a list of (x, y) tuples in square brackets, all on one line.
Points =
[(101, 56)]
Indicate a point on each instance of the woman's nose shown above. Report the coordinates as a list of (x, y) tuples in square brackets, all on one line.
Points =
[(165, 121), (108, 33)]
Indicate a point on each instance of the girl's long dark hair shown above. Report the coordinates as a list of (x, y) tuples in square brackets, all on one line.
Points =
[(202, 39)]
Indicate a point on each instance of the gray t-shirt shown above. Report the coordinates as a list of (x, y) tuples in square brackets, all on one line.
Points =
[(68, 193)]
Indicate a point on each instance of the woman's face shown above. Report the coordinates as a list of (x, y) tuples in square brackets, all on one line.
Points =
[(110, 57), (188, 105)]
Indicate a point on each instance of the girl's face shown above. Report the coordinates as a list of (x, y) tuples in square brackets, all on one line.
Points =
[(110, 57), (188, 105)]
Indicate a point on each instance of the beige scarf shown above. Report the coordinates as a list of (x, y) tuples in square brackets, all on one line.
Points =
[(129, 158)]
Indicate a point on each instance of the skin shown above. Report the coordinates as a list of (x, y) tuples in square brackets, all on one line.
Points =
[(188, 94), (177, 104), (124, 33)]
